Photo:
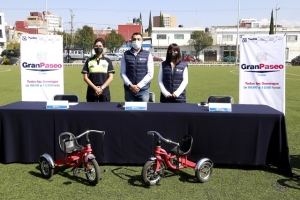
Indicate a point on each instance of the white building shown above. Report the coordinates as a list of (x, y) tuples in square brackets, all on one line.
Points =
[(224, 40), (53, 22), (2, 31)]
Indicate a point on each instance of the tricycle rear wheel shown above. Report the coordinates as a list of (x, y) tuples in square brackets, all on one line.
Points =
[(204, 172), (45, 168)]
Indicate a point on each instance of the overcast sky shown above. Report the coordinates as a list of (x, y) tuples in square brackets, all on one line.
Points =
[(189, 13)]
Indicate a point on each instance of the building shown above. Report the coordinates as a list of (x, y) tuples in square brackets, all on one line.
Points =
[(162, 37), (53, 22), (3, 38), (169, 21), (127, 30), (224, 39)]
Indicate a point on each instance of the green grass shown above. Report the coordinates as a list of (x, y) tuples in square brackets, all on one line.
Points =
[(23, 181)]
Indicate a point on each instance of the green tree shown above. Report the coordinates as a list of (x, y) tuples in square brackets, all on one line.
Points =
[(66, 38), (114, 41), (200, 41), (271, 32), (150, 26), (161, 20), (141, 22), (84, 38)]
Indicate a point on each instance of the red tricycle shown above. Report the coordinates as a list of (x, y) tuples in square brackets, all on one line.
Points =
[(76, 156), (154, 169)]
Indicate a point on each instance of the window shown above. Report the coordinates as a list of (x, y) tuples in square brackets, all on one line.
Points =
[(178, 36), (227, 38), (161, 36), (0, 19), (291, 38), (1, 35)]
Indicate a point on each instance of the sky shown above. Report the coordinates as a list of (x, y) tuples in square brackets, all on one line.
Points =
[(189, 13)]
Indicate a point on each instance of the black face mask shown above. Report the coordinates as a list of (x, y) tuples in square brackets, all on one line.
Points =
[(98, 51), (173, 54)]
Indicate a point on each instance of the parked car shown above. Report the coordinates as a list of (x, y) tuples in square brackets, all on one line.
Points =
[(10, 53), (112, 56), (120, 55), (188, 58), (295, 61), (74, 54), (157, 58), (229, 59)]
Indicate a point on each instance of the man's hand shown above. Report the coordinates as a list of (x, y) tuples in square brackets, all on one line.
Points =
[(134, 88)]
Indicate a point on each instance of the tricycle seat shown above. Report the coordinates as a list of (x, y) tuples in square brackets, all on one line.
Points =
[(69, 146), (185, 147)]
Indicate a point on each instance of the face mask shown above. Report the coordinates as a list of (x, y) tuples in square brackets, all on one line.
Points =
[(173, 54), (136, 44), (98, 51)]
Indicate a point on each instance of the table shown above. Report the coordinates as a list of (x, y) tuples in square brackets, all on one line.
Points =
[(249, 135)]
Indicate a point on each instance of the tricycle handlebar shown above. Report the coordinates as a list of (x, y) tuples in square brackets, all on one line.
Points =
[(87, 134), (161, 137)]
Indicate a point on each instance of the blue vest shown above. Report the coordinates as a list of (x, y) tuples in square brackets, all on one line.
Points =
[(136, 67), (172, 80)]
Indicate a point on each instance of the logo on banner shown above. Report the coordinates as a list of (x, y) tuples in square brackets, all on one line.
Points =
[(42, 65), (262, 68)]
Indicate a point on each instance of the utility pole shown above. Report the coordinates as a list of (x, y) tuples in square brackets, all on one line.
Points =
[(277, 8), (72, 26), (237, 35), (46, 16)]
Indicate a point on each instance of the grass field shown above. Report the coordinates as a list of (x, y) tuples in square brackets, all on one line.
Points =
[(23, 181)]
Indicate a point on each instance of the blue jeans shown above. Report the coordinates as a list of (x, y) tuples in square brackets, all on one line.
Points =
[(142, 95)]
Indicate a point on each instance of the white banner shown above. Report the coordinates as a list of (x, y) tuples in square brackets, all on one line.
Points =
[(262, 70), (41, 67)]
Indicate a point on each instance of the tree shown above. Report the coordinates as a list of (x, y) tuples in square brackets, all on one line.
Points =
[(150, 26), (161, 20), (13, 45), (141, 22), (66, 38), (271, 32), (200, 41), (114, 41), (84, 38)]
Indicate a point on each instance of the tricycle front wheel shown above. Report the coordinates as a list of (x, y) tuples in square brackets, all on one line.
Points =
[(151, 177), (93, 172)]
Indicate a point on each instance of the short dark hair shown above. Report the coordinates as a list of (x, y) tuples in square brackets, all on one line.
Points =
[(137, 33), (100, 40), (174, 47)]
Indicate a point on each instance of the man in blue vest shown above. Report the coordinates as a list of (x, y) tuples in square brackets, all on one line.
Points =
[(137, 69)]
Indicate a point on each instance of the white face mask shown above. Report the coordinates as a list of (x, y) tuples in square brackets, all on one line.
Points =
[(136, 44)]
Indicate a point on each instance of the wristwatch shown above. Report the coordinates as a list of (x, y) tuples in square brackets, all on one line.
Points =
[(129, 86), (101, 88)]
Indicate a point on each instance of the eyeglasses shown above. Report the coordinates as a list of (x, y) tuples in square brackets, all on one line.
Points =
[(98, 46)]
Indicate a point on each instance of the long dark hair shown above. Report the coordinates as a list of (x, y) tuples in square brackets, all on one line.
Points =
[(174, 47)]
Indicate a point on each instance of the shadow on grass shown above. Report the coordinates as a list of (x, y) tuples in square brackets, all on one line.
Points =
[(125, 173), (61, 170)]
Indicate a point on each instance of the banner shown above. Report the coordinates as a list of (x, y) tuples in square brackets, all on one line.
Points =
[(41, 67), (262, 70)]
